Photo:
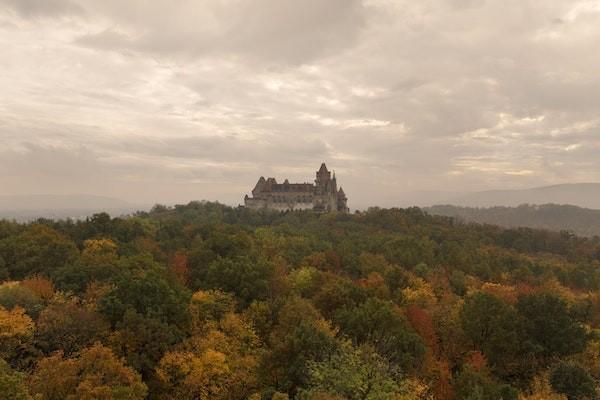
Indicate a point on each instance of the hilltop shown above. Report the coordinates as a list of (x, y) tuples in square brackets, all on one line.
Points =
[(585, 195), (30, 207), (581, 221)]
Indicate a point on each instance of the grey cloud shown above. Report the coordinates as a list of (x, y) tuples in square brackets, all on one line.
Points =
[(200, 98), (43, 8), (283, 31), (234, 149)]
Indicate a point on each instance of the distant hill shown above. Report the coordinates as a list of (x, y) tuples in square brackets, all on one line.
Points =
[(28, 207), (585, 195), (581, 221)]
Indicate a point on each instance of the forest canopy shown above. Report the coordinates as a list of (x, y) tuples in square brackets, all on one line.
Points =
[(206, 301)]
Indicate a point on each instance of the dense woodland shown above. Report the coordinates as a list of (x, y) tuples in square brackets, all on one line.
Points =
[(205, 301), (581, 221)]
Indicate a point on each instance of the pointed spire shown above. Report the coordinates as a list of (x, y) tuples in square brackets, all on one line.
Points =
[(323, 168)]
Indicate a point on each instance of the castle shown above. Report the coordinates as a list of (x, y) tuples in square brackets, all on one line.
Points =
[(322, 196)]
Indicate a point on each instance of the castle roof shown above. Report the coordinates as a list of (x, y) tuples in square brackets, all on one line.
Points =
[(323, 168)]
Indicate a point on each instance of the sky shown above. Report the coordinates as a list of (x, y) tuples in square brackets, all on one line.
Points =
[(174, 100)]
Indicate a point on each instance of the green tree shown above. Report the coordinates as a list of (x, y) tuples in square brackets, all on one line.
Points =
[(549, 326), (249, 278), (12, 294), (69, 327), (142, 341), (12, 386), (354, 374), (98, 263), (408, 251), (573, 381), (495, 328), (376, 322), (471, 384), (37, 250), (300, 336), (3, 270), (143, 286)]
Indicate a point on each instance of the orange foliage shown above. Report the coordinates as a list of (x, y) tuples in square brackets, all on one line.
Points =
[(506, 293), (179, 266), (149, 245), (442, 388), (96, 374), (41, 286), (476, 360), (15, 323), (325, 261), (421, 322), (376, 284)]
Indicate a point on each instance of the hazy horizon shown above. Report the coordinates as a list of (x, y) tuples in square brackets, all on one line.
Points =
[(151, 102)]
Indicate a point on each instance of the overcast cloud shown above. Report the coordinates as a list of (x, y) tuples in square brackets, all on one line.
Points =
[(174, 100)]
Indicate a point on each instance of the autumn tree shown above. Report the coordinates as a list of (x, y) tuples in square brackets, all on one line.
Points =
[(219, 364), (540, 389), (180, 268), (16, 332), (208, 307), (41, 286), (68, 326), (95, 374)]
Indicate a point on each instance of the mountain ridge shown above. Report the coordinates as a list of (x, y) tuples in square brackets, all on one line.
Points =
[(33, 206), (554, 217), (585, 195)]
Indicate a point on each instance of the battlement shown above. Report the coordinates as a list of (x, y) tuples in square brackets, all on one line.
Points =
[(321, 196)]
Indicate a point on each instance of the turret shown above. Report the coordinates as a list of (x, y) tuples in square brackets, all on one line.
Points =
[(342, 201), (260, 186), (323, 178)]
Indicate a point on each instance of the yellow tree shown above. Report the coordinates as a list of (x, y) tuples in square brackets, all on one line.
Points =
[(96, 374), (219, 363), (16, 332), (541, 390), (99, 251), (15, 323)]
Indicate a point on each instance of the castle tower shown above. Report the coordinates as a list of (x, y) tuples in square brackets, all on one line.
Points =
[(323, 176)]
